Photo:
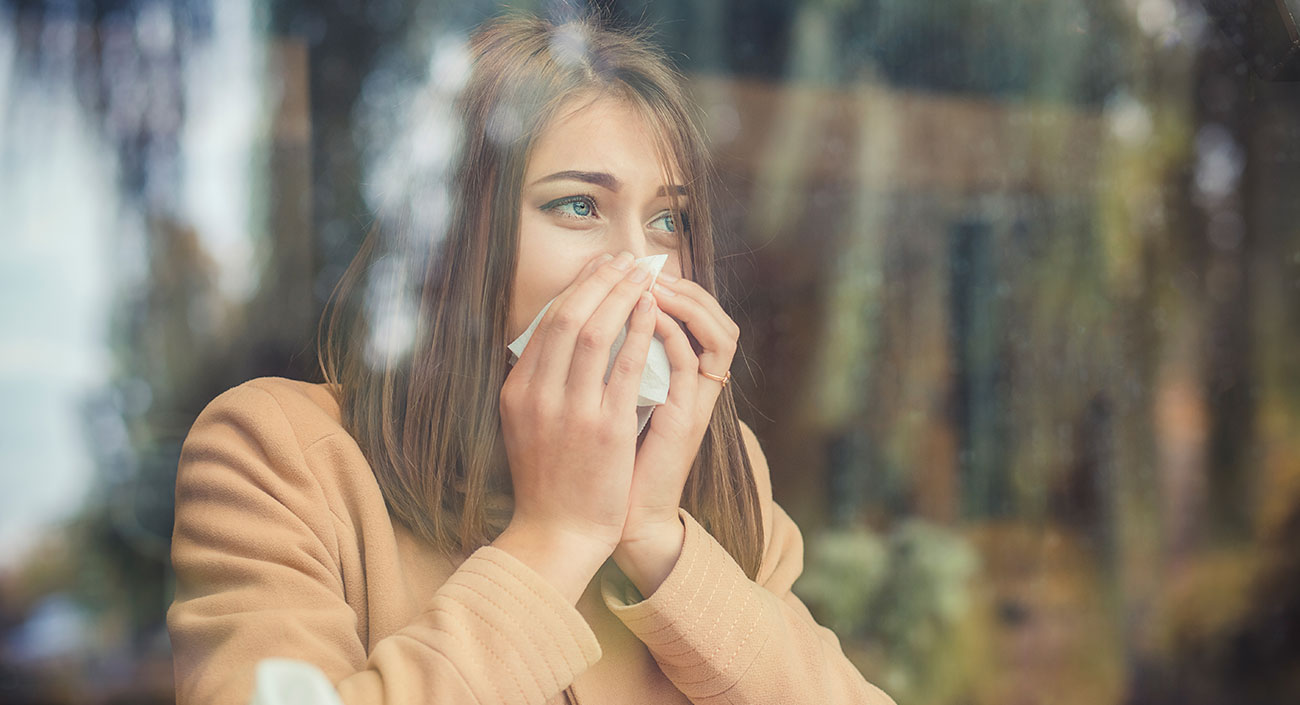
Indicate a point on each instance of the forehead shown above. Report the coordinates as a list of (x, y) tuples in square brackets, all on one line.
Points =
[(600, 134)]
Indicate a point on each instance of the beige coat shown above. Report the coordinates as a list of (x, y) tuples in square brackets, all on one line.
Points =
[(283, 547)]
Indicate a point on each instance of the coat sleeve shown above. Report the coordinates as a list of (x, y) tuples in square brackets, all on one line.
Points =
[(725, 639), (258, 577)]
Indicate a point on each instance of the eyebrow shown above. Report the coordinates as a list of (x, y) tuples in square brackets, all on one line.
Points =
[(602, 179)]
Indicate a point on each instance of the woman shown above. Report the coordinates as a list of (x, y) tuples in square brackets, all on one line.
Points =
[(436, 525)]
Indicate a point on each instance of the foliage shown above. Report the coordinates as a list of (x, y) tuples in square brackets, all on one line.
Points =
[(908, 592)]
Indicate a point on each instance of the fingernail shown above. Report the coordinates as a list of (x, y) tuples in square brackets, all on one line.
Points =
[(638, 274), (623, 261), (645, 302), (663, 290), (666, 277), (603, 259)]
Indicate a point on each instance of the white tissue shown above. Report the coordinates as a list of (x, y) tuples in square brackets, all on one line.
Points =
[(281, 681), (654, 379)]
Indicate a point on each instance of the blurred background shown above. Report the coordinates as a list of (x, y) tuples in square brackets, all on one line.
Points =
[(1019, 285)]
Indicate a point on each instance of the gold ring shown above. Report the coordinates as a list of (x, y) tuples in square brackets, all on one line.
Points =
[(723, 379)]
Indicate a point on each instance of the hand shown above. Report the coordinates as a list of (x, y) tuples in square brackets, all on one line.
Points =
[(652, 534), (570, 438)]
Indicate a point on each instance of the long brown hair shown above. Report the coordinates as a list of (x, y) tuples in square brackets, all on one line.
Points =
[(426, 415)]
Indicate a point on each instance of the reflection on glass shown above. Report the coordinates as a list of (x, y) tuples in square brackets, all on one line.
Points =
[(1016, 283)]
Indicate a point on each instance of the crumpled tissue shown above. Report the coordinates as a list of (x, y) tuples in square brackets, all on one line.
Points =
[(654, 379)]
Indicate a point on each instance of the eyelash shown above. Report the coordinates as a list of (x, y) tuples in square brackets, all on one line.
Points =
[(555, 205), (590, 200)]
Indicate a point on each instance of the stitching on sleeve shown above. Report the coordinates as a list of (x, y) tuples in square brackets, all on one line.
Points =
[(717, 585), (723, 640), (434, 648), (748, 668), (460, 675), (739, 647), (672, 656), (740, 614), (487, 555), (499, 632), (735, 652), (505, 666), (531, 641), (690, 567)]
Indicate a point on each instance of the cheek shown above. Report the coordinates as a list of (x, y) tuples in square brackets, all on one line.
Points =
[(673, 266), (547, 263)]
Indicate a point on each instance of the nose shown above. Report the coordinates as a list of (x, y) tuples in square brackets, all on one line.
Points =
[(628, 234)]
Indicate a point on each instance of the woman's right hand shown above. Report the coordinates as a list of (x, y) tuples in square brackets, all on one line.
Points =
[(571, 439)]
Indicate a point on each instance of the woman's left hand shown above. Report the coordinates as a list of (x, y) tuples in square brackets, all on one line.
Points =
[(652, 535)]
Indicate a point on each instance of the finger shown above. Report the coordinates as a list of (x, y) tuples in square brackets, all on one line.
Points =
[(717, 336), (695, 292), (526, 365), (684, 377), (625, 379), (591, 352), (560, 326)]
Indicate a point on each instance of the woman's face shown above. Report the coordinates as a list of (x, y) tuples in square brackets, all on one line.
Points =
[(592, 185)]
